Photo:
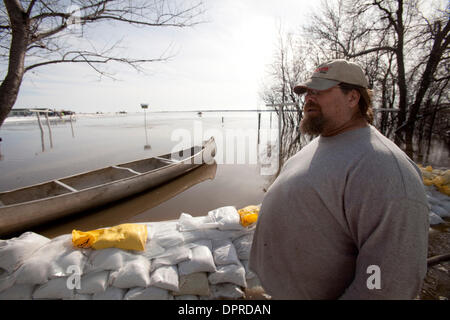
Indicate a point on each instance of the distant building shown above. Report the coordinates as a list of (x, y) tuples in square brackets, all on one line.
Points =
[(27, 112), (20, 113)]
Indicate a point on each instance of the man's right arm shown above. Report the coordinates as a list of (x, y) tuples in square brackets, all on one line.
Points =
[(392, 241)]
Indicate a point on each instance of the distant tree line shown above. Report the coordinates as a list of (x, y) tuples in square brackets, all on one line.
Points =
[(403, 47)]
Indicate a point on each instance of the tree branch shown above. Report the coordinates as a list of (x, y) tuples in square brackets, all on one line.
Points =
[(384, 48), (30, 7), (40, 36), (92, 58), (388, 14)]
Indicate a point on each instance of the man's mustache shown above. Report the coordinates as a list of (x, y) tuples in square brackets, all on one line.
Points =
[(311, 104)]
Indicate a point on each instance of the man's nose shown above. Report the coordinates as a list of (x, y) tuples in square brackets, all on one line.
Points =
[(308, 97)]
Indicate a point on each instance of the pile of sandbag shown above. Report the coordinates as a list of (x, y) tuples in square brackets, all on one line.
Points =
[(437, 188), (439, 178), (189, 258), (439, 205)]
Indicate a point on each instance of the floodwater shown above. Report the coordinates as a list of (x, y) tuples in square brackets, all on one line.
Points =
[(435, 152), (238, 177)]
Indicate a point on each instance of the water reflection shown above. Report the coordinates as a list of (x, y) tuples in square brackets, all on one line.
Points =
[(48, 122), (71, 125), (144, 106), (42, 132), (433, 151)]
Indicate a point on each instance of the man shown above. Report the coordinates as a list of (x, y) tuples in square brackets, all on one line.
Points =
[(347, 218)]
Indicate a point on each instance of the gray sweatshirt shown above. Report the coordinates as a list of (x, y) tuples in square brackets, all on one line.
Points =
[(347, 218)]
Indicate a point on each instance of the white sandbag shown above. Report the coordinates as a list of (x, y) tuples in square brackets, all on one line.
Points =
[(68, 258), (135, 273), (167, 235), (172, 256), (434, 218), (162, 237), (201, 260), (249, 274), (193, 284), (435, 193), (212, 234), (186, 222), (111, 293), (227, 218), (93, 282), (432, 200), (445, 205), (243, 246), (18, 292), (254, 283), (226, 291), (231, 273), (153, 250), (6, 280), (440, 211), (165, 277), (154, 227), (186, 297), (14, 251), (33, 271), (108, 259), (150, 293), (224, 252), (57, 258), (57, 288), (78, 296)]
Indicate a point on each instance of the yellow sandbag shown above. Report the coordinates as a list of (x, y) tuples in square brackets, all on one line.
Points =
[(126, 236), (249, 215), (428, 175), (445, 189), (442, 179), (82, 239)]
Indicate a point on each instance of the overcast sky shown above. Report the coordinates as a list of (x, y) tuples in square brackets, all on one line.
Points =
[(219, 64)]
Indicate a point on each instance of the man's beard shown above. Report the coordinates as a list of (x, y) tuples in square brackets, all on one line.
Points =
[(312, 125)]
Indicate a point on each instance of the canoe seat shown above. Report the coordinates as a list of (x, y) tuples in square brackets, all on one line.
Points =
[(125, 168), (166, 160), (65, 186)]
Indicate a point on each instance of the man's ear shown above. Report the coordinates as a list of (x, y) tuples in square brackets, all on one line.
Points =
[(353, 98)]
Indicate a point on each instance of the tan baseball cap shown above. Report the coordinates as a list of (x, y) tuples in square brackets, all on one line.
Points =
[(331, 73)]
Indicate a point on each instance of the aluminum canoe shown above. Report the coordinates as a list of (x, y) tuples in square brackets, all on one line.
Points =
[(40, 203)]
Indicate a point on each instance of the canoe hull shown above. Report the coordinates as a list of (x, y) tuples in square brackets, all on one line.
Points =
[(22, 216)]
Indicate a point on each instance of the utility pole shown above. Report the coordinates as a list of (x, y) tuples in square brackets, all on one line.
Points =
[(145, 107)]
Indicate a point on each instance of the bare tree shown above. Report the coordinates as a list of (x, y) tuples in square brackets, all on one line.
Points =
[(292, 61), (35, 33), (436, 34), (403, 50), (288, 69)]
